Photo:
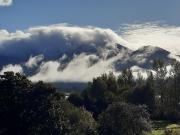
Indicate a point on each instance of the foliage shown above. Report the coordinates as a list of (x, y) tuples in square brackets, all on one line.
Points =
[(38, 109), (114, 104), (124, 119), (165, 128), (103, 91), (143, 95)]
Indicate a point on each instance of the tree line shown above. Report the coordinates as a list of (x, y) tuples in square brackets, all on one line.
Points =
[(160, 91), (109, 105)]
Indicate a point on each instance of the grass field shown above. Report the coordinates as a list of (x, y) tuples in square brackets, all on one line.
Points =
[(159, 128)]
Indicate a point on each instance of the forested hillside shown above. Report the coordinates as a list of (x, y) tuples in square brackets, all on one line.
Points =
[(109, 105)]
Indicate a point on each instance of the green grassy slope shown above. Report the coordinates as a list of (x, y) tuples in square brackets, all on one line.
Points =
[(160, 127)]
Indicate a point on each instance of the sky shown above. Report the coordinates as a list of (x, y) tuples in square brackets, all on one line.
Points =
[(22, 14)]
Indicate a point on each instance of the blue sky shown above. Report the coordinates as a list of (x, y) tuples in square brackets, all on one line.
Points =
[(23, 14)]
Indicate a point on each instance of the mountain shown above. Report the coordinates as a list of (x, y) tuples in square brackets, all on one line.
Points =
[(74, 55), (121, 58), (143, 58), (113, 58)]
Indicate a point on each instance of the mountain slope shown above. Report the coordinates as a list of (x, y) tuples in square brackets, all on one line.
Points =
[(143, 57), (107, 58), (59, 53)]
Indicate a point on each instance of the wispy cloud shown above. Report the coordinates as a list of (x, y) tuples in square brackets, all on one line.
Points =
[(78, 70), (33, 61), (154, 34), (6, 3)]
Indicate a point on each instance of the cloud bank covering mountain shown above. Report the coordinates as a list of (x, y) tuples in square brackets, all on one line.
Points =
[(69, 53)]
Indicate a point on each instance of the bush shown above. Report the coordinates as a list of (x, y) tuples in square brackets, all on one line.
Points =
[(124, 119)]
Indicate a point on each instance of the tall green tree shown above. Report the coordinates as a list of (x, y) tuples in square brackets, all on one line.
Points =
[(175, 89), (160, 85)]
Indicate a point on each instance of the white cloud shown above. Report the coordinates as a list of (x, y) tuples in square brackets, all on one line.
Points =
[(10, 67), (78, 70), (48, 47), (58, 43), (6, 2), (81, 35), (140, 71), (172, 56), (154, 34), (33, 61), (7, 36), (56, 40)]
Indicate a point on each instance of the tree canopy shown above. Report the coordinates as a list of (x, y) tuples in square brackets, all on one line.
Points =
[(38, 109)]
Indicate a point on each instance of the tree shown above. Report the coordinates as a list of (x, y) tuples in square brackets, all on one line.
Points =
[(76, 99), (101, 92), (125, 83), (97, 96), (124, 119), (125, 79), (13, 91), (112, 84), (160, 85), (140, 81), (143, 95), (174, 93), (38, 109)]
